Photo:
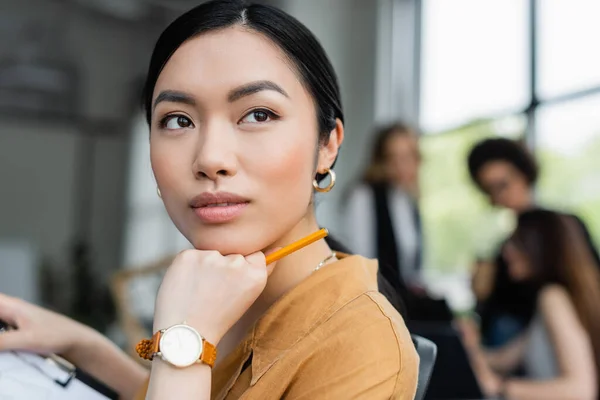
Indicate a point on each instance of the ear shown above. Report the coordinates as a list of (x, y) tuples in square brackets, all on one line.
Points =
[(329, 151)]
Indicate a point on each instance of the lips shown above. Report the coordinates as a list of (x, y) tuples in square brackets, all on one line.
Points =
[(218, 207)]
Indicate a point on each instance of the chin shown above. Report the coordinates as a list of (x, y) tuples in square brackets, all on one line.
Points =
[(228, 240), (515, 206)]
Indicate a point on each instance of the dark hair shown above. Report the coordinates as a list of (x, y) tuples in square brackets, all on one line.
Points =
[(540, 235), (383, 134), (300, 46), (501, 149)]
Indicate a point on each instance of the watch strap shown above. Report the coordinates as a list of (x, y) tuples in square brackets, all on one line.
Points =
[(209, 353), (148, 348)]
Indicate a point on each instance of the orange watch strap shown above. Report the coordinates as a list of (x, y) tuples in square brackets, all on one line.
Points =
[(209, 353), (147, 348), (156, 342)]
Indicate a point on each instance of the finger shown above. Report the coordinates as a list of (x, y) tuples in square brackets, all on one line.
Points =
[(271, 266), (236, 260), (258, 259), (8, 309), (14, 340), (272, 250)]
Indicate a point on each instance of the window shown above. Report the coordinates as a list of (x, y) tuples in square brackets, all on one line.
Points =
[(518, 68), (567, 145), (568, 33), (459, 224), (471, 48)]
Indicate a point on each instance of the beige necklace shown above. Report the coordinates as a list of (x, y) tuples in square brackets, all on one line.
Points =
[(322, 263)]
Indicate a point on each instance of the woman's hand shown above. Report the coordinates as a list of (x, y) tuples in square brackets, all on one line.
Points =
[(38, 330), (43, 331), (490, 382), (209, 291)]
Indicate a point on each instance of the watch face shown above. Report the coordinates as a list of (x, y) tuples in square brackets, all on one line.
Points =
[(181, 345)]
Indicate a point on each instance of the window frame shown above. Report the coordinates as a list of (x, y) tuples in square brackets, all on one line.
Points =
[(535, 101)]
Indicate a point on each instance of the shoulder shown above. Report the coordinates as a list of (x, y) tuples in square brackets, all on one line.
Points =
[(573, 217), (577, 220), (372, 310), (554, 295), (363, 351), (555, 303), (369, 331)]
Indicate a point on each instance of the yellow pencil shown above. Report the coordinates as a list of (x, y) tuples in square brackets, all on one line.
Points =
[(289, 249)]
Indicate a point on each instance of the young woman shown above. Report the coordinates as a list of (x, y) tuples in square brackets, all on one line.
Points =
[(559, 350), (245, 122), (382, 213)]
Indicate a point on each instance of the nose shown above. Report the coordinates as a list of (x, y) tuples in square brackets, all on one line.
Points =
[(215, 154)]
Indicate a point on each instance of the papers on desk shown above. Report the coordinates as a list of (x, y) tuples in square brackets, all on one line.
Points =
[(26, 376)]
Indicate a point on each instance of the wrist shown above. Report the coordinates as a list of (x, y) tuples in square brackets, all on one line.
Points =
[(180, 345), (85, 340), (210, 334)]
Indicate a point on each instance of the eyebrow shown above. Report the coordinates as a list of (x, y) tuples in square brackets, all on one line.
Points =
[(252, 88), (173, 96)]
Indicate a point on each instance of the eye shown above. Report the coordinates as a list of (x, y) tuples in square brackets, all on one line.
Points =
[(259, 116), (174, 122)]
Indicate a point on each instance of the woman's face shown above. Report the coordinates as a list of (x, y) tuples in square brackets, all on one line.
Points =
[(505, 185), (519, 268), (402, 159), (234, 142)]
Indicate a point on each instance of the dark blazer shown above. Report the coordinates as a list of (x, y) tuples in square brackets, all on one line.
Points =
[(388, 253), (418, 307)]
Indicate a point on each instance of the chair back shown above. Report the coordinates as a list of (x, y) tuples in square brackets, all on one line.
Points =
[(427, 351)]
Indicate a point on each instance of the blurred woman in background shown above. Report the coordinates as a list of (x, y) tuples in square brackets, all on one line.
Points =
[(559, 351), (506, 172), (382, 214)]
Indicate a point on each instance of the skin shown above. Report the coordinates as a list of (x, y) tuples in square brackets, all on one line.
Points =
[(402, 162), (517, 262), (505, 186), (221, 287), (570, 340)]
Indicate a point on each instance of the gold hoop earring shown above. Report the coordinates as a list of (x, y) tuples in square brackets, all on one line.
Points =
[(326, 189), (158, 192)]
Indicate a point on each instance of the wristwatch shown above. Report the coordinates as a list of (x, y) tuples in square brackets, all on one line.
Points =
[(180, 345)]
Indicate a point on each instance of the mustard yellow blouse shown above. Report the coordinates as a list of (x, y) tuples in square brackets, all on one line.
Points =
[(334, 336)]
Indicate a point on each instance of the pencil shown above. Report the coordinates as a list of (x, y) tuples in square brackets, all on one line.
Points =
[(289, 249)]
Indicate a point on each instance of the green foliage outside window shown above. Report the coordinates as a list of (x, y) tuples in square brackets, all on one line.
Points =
[(570, 182), (460, 225)]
